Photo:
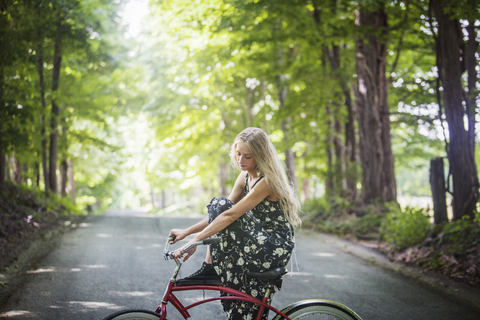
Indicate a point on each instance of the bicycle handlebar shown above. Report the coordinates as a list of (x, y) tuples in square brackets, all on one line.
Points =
[(212, 240), (203, 242), (169, 254)]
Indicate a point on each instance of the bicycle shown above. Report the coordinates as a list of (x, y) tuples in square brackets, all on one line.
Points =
[(301, 310)]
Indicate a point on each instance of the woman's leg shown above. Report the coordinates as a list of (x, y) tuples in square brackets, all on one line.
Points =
[(208, 258), (215, 208)]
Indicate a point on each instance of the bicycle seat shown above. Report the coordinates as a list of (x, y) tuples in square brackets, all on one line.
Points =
[(271, 274)]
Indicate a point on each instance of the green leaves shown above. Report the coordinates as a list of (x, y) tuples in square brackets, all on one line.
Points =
[(200, 73), (405, 228)]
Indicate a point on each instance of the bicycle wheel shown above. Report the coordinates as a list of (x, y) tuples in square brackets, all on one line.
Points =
[(319, 310), (133, 314)]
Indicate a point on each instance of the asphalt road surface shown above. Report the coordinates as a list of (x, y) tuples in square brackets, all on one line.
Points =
[(113, 262)]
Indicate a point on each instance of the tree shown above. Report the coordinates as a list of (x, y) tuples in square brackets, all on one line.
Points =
[(73, 40), (378, 182), (437, 182), (457, 106), (341, 138)]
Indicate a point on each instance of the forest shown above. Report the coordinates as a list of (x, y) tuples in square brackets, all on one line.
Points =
[(370, 103)]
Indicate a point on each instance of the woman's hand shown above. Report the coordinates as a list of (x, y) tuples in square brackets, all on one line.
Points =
[(179, 252), (179, 234)]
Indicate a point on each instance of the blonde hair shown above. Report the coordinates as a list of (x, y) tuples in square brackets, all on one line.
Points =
[(269, 166)]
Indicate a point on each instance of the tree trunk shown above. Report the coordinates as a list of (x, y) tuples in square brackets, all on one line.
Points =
[(470, 65), (305, 190), (63, 178), (7, 168), (71, 181), (378, 179), (306, 181), (36, 168), (305, 195), (460, 153), (350, 145), (437, 185), (17, 169), (282, 90), (43, 103), (329, 178), (2, 164), (289, 155), (2, 154), (63, 146), (340, 166), (57, 61), (25, 173), (348, 153)]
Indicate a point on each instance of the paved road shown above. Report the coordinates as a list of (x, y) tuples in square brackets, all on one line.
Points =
[(114, 262)]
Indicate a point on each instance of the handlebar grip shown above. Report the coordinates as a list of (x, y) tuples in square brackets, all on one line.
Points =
[(173, 237), (212, 240)]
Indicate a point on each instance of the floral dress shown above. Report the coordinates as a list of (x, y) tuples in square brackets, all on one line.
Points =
[(259, 240)]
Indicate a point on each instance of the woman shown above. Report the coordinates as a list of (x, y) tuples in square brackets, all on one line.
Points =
[(255, 222)]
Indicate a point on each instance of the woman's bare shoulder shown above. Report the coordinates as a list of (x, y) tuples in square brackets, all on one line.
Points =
[(263, 185), (242, 175)]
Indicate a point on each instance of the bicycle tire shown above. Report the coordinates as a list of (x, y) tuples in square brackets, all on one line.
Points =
[(133, 314), (319, 309)]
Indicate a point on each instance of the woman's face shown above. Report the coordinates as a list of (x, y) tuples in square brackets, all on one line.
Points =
[(245, 159)]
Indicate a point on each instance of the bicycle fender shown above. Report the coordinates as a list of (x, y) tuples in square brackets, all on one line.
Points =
[(324, 302)]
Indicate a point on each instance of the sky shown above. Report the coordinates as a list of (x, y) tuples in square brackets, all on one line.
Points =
[(133, 13)]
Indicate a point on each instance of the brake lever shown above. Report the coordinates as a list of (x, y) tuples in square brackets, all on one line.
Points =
[(167, 255)]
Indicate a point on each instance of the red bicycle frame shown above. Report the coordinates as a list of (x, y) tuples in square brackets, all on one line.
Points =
[(169, 296)]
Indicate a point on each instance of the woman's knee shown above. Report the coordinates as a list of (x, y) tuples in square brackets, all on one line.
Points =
[(217, 206)]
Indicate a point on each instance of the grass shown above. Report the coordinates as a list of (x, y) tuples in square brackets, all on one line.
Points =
[(24, 211)]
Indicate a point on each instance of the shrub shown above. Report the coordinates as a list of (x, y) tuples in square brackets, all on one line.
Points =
[(405, 228), (366, 227), (340, 217), (461, 234)]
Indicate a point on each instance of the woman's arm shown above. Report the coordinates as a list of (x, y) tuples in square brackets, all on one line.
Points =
[(237, 192), (182, 233), (254, 197), (235, 196)]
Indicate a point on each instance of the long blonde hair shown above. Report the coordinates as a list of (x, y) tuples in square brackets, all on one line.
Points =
[(269, 166)]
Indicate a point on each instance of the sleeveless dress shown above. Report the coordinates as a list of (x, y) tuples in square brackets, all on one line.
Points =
[(259, 240)]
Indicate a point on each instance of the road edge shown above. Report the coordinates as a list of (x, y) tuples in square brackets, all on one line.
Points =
[(441, 283), (14, 273)]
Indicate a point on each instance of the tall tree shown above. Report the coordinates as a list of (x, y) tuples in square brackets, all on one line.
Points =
[(57, 63), (343, 167), (5, 54), (2, 154), (282, 90), (460, 147), (378, 182), (40, 26), (12, 56)]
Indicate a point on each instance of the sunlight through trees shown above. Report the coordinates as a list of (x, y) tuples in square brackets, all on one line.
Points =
[(135, 103)]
